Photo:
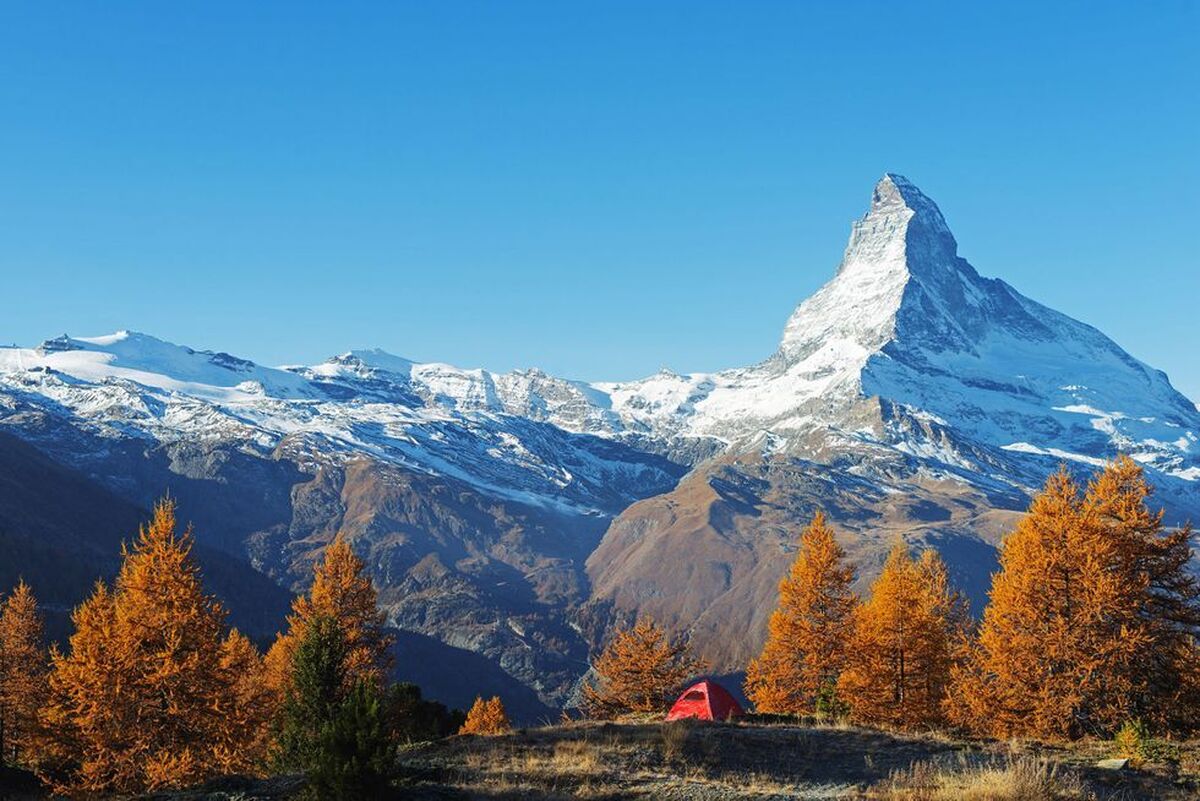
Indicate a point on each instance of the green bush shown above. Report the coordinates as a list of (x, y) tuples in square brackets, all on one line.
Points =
[(829, 705), (414, 719), (341, 740), (313, 699), (1134, 742), (356, 753)]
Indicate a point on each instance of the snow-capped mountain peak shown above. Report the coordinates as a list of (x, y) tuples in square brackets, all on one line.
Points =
[(381, 360), (137, 359), (904, 328), (903, 238), (898, 207), (907, 320)]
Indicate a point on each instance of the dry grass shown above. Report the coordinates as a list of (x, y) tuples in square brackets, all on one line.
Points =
[(563, 758), (1017, 778), (567, 762), (674, 738), (691, 761)]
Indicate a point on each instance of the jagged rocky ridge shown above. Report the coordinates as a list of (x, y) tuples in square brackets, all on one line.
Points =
[(515, 515)]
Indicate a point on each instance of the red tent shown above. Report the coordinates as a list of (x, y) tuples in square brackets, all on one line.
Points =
[(705, 700)]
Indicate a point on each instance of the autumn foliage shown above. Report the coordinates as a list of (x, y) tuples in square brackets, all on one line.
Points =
[(1091, 629), (486, 717), (343, 591), (23, 668), (807, 634), (243, 740), (144, 698), (903, 645), (1092, 618), (1167, 674), (640, 670), (153, 691)]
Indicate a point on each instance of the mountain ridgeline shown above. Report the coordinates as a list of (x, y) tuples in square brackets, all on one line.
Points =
[(510, 519)]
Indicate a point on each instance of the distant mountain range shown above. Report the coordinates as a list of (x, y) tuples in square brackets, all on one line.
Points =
[(519, 515)]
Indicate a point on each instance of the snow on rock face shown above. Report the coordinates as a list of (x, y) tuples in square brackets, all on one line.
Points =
[(817, 372), (1004, 370), (969, 375), (859, 306), (433, 418), (906, 319), (154, 363)]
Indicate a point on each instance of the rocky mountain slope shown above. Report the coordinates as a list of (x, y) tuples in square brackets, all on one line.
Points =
[(60, 531), (516, 515)]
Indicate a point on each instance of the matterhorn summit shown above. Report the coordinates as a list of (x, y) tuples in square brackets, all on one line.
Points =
[(907, 321), (902, 235)]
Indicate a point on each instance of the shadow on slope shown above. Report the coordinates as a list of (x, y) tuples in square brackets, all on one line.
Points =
[(455, 676), (61, 532)]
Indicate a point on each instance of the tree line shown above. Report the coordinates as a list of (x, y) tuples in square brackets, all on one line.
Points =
[(1091, 624), (153, 691)]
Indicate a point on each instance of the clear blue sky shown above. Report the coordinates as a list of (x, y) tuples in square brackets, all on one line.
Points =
[(598, 189)]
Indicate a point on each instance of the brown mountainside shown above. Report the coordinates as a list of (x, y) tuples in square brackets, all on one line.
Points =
[(707, 557)]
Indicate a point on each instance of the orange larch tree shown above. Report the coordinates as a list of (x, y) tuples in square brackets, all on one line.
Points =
[(244, 738), (640, 670), (140, 700), (486, 717), (169, 633), (905, 639), (806, 640), (943, 634), (23, 671), (1060, 640), (341, 590), (1166, 673), (87, 726)]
